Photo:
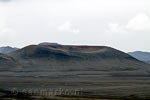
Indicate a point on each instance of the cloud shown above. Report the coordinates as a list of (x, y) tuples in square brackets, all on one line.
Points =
[(68, 27), (141, 22)]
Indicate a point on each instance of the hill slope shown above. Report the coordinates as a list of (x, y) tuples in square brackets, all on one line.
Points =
[(8, 63), (143, 56)]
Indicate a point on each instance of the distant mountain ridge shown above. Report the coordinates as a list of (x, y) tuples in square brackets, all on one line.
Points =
[(7, 49), (48, 43), (140, 55)]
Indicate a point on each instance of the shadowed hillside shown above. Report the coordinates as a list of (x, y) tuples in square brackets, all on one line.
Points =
[(7, 63)]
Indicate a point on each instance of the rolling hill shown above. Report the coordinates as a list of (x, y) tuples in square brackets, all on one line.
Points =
[(75, 58)]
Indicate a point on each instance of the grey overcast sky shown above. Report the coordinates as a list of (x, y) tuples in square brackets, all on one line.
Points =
[(122, 24)]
